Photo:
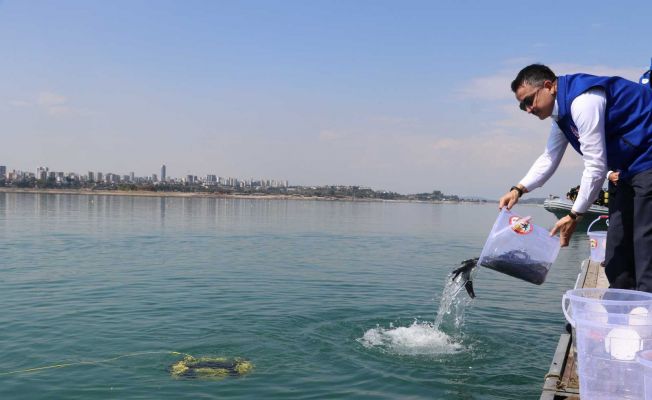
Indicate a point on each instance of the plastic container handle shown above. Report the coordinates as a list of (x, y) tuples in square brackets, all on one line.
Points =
[(596, 220), (564, 299)]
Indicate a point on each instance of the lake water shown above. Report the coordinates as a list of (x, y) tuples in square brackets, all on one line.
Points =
[(327, 299)]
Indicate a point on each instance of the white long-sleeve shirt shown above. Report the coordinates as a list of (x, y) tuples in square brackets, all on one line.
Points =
[(587, 112)]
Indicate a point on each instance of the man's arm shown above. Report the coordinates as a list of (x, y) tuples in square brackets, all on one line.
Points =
[(541, 170), (587, 111)]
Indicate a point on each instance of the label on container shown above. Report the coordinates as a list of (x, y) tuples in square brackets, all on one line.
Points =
[(520, 225)]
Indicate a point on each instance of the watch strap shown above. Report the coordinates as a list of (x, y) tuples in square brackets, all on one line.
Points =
[(518, 190)]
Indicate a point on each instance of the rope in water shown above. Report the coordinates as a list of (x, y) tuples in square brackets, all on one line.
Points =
[(95, 362)]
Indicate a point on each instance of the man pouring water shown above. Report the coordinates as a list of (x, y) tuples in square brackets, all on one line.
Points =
[(608, 120)]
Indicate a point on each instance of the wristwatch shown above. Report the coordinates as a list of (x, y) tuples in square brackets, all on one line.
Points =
[(518, 190), (575, 216)]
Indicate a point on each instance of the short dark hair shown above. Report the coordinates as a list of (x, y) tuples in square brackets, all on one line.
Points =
[(534, 75)]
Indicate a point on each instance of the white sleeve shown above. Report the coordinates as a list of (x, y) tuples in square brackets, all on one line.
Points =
[(587, 111), (547, 163)]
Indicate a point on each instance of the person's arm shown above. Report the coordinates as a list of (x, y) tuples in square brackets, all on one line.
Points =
[(587, 111), (541, 170)]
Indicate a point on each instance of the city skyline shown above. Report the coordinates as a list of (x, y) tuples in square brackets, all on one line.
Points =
[(99, 182), (44, 172), (404, 96)]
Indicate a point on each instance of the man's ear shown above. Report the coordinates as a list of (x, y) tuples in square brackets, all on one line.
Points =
[(551, 86)]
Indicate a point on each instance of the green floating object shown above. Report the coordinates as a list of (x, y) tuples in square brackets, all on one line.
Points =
[(210, 367)]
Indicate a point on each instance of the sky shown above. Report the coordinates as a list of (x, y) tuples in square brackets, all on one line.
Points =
[(407, 96)]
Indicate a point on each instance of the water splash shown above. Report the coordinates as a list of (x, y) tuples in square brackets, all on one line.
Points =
[(454, 301), (422, 337)]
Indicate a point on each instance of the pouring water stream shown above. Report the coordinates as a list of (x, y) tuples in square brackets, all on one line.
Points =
[(429, 338)]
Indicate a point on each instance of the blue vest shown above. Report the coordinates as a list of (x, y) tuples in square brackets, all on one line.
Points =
[(628, 120)]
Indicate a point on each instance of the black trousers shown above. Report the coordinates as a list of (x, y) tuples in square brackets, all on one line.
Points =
[(628, 258)]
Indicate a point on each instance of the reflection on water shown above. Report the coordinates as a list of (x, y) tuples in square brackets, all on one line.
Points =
[(3, 205)]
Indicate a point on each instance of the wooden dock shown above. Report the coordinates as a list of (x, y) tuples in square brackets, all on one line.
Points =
[(561, 381)]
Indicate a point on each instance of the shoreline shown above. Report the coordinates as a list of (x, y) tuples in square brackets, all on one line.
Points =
[(261, 196)]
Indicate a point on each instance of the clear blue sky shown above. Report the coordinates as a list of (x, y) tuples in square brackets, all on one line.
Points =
[(408, 96)]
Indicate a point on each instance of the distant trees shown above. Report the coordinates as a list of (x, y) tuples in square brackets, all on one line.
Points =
[(331, 191), (25, 183), (127, 187), (436, 195)]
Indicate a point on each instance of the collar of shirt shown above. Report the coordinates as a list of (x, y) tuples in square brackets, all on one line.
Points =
[(555, 111)]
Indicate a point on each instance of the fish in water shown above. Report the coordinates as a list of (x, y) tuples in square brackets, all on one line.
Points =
[(464, 273)]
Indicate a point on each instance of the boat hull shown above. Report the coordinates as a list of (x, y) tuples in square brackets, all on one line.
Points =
[(561, 208)]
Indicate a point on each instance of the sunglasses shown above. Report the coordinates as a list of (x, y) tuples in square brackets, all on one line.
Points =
[(528, 102)]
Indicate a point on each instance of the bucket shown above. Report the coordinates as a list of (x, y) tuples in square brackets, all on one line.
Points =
[(598, 240), (612, 326), (644, 358)]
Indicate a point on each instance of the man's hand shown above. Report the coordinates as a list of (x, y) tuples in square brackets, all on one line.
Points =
[(613, 177), (565, 227), (509, 199)]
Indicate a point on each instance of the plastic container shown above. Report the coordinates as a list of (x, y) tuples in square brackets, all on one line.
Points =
[(598, 240), (611, 327), (644, 358), (519, 248)]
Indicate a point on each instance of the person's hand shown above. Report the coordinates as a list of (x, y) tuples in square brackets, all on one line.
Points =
[(509, 199), (613, 177), (565, 227)]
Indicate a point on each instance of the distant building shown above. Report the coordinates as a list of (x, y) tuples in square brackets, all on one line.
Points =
[(100, 177), (163, 173), (42, 173), (91, 176), (154, 178), (3, 171), (112, 178), (132, 177)]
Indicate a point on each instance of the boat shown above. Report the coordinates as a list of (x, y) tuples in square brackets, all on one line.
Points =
[(561, 207)]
